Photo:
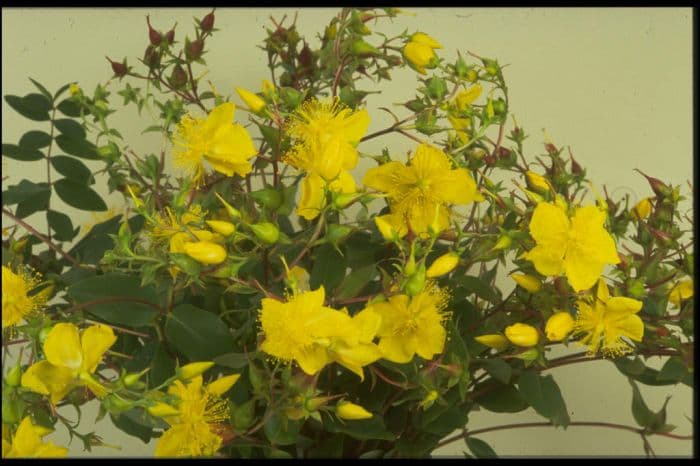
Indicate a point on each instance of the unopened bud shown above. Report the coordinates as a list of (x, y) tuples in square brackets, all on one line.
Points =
[(537, 182), (642, 209), (351, 411), (133, 378), (222, 227), (558, 326), (530, 283), (416, 282), (443, 265), (119, 69), (254, 103), (493, 340), (207, 23), (522, 334), (503, 242), (205, 252), (266, 232), (234, 213), (336, 233), (363, 49), (178, 78), (14, 376), (154, 36), (194, 49)]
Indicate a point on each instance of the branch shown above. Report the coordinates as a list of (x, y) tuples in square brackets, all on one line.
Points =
[(46, 240)]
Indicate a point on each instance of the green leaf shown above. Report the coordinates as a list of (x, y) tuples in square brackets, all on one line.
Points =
[(77, 147), (279, 432), (479, 448), (19, 153), (70, 128), (503, 399), (69, 108), (641, 412), (198, 334), (328, 269), (23, 191), (138, 309), (33, 140), (498, 369), (42, 89), (673, 371), (79, 196), (72, 168), (32, 106), (543, 394), (234, 360), (60, 91), (356, 281), (93, 245), (62, 225), (636, 370), (478, 286)]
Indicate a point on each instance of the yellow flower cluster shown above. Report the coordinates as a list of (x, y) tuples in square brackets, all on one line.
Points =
[(326, 133), (421, 192)]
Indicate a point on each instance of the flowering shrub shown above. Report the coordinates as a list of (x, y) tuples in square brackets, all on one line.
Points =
[(260, 302)]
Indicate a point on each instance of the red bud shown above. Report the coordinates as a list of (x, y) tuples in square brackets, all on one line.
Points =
[(170, 35), (306, 58), (660, 235), (207, 23), (151, 57), (193, 50), (179, 77), (120, 69), (154, 36), (551, 148), (658, 186), (503, 153), (490, 160), (575, 167)]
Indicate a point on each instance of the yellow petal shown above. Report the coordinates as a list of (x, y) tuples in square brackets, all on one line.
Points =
[(430, 339), (384, 177), (62, 346), (47, 379), (457, 187), (629, 325), (222, 385), (549, 226), (397, 349), (355, 126), (625, 305), (345, 183), (367, 323), (96, 340), (603, 294), (222, 115), (356, 357), (425, 39), (313, 359), (313, 197), (467, 96), (581, 269)]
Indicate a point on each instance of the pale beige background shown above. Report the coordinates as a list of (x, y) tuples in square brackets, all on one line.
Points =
[(614, 84)]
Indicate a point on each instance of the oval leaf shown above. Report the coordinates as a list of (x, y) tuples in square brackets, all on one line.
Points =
[(72, 168), (69, 108), (79, 196), (19, 153), (32, 106), (78, 147), (62, 225), (70, 128), (198, 334), (32, 140)]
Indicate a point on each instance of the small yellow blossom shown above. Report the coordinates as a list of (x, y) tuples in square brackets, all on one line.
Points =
[(680, 292), (71, 359), (27, 443), (351, 411), (466, 97), (304, 330), (411, 326), (428, 183), (579, 247), (493, 340), (419, 53), (18, 301), (74, 89), (605, 322), (530, 283), (558, 326), (192, 425), (522, 334), (225, 145)]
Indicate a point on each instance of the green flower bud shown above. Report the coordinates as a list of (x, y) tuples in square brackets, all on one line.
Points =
[(363, 49), (461, 68), (109, 151), (268, 197), (234, 213), (14, 376), (266, 232), (132, 379), (336, 233), (291, 97), (11, 410), (342, 200), (186, 264), (416, 282), (437, 88)]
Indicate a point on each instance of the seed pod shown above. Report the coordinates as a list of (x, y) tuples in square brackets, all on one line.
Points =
[(119, 69), (207, 23), (169, 37), (268, 197), (154, 36), (194, 49), (178, 78)]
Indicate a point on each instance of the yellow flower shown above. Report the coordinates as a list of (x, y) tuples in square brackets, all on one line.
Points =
[(391, 227), (579, 247), (27, 443), (167, 225), (71, 359), (351, 411), (530, 283), (558, 326), (199, 409), (74, 89), (419, 53), (443, 265), (254, 103), (493, 340), (607, 320), (304, 330), (642, 209), (522, 334), (680, 292), (326, 133), (427, 184), (412, 326), (227, 146), (17, 302)]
